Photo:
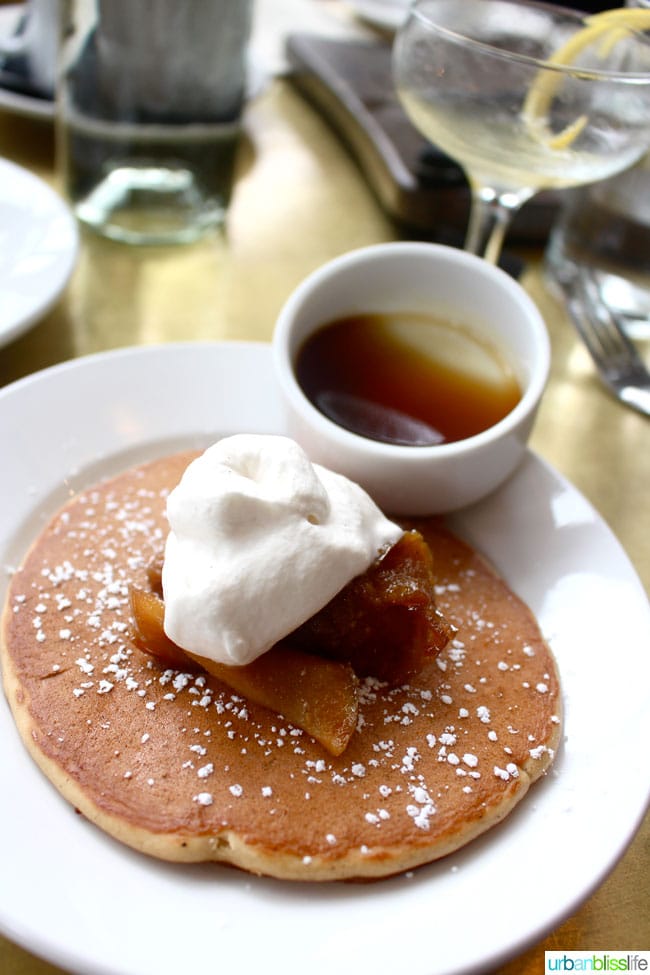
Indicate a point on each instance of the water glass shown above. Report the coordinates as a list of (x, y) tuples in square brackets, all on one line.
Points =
[(150, 102), (605, 227)]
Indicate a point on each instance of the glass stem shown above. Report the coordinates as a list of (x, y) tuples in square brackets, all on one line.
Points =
[(490, 216)]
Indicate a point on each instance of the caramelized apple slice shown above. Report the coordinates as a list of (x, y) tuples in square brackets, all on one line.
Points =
[(154, 574), (385, 622), (320, 696), (148, 612)]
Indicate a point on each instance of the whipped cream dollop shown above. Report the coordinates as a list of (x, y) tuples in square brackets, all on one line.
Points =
[(260, 540)]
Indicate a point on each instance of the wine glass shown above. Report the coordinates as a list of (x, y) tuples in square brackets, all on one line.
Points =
[(485, 81)]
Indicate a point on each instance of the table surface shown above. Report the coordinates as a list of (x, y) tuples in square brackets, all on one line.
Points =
[(299, 201)]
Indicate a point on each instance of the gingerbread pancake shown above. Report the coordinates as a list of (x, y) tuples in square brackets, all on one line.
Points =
[(179, 767)]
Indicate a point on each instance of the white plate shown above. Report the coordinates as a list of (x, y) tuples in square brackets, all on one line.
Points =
[(388, 15), (21, 104), (38, 249), (76, 897), (273, 20), (29, 106)]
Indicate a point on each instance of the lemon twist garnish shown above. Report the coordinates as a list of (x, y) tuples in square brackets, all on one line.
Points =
[(608, 26)]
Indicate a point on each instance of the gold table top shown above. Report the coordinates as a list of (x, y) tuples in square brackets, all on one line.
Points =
[(300, 201)]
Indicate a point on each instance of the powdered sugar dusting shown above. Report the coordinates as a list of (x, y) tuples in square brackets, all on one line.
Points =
[(440, 743)]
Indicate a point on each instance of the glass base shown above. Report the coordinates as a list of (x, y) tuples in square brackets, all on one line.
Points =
[(627, 295), (150, 205)]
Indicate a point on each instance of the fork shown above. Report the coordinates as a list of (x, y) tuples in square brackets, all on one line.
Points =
[(617, 360)]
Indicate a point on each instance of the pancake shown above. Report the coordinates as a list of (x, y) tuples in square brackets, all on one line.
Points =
[(179, 767)]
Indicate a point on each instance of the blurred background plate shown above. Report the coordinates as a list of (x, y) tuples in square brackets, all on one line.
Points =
[(385, 14), (16, 94), (38, 249)]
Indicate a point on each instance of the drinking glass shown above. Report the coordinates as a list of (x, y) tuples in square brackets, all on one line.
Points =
[(478, 78), (149, 111)]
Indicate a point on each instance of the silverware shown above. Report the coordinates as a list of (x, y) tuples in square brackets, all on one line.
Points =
[(618, 362)]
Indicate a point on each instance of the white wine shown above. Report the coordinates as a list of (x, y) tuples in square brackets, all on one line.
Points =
[(501, 150)]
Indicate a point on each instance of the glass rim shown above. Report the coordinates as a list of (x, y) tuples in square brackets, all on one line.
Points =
[(540, 64)]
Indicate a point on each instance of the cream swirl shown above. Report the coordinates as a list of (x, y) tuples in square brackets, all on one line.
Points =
[(260, 540)]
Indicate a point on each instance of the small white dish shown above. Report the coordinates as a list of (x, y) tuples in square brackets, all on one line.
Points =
[(433, 279), (38, 249), (65, 883)]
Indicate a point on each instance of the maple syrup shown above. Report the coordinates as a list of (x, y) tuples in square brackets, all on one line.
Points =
[(405, 378)]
